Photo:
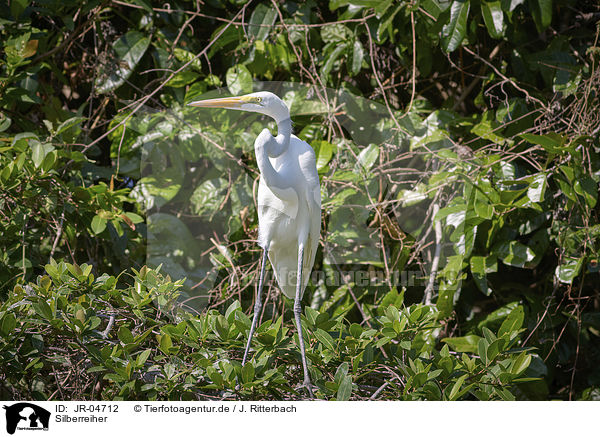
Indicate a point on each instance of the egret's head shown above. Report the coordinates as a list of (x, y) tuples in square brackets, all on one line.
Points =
[(264, 102)]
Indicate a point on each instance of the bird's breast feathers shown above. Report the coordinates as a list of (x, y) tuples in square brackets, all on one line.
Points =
[(298, 167), (283, 200)]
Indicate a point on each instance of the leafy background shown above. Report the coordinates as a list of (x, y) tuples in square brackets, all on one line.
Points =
[(454, 139)]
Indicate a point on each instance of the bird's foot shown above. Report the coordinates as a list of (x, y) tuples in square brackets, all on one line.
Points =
[(307, 385)]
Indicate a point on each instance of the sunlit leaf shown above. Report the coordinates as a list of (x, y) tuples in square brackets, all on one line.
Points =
[(537, 188), (98, 224), (261, 21), (467, 343), (239, 80), (357, 57), (367, 157), (568, 270), (551, 142), (493, 18), (513, 322), (129, 50), (455, 30), (514, 253), (345, 389)]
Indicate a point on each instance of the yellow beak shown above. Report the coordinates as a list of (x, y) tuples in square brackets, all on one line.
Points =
[(226, 102)]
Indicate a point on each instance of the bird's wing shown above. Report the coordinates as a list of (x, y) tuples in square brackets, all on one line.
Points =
[(307, 161), (283, 200)]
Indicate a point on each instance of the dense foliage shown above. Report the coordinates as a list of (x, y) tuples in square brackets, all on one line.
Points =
[(457, 142)]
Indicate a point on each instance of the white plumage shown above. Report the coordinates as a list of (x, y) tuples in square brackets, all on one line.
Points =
[(282, 214), (289, 204)]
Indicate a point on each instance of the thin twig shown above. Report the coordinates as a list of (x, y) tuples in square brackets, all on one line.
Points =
[(413, 79), (59, 232), (512, 82), (379, 390), (111, 322)]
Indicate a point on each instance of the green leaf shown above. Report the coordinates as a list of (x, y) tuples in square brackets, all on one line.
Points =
[(325, 338), (514, 253), (482, 347), (7, 324), (445, 301), (566, 79), (541, 10), (125, 335), (335, 32), (325, 153), (5, 122), (356, 330), (221, 327), (182, 78), (468, 343), (186, 56), (488, 335), (68, 124), (143, 357), (386, 24), (75, 270), (17, 7), (261, 21), (513, 322), (248, 372), (208, 197), (239, 80), (144, 4), (98, 224), (482, 206), (157, 189), (43, 309), (341, 373), (134, 217), (480, 265), (456, 387), (215, 376), (345, 389), (510, 5), (411, 197), (586, 187), (493, 18), (537, 188), (165, 343), (494, 349), (521, 363), (551, 142), (455, 30), (569, 270), (331, 58), (357, 58), (129, 50), (367, 157), (39, 152), (49, 161)]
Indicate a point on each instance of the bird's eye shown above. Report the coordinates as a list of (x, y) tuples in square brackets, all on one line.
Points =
[(259, 99)]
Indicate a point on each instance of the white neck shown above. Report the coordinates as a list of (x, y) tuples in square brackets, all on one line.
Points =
[(267, 146), (281, 142)]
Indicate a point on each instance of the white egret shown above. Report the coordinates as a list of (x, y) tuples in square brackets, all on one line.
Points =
[(289, 204)]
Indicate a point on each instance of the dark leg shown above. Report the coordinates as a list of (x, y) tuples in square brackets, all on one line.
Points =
[(257, 303), (297, 313)]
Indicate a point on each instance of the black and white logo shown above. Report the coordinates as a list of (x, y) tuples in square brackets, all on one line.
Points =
[(26, 417)]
